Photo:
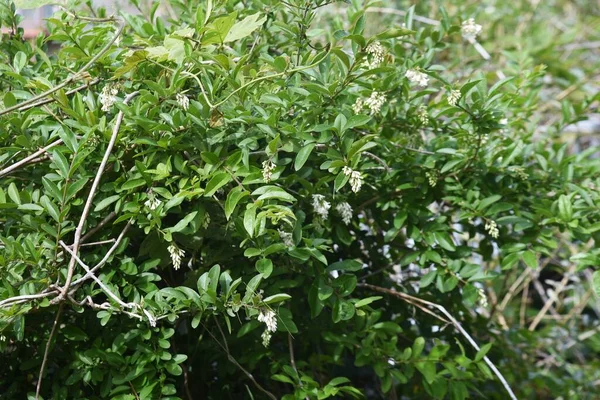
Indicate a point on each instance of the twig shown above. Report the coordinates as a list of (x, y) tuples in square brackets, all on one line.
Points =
[(104, 288), (104, 259), (73, 77), (47, 351), (95, 229), (225, 348), (29, 158), (379, 160), (21, 299), (47, 101), (552, 298), (456, 324), (90, 199)]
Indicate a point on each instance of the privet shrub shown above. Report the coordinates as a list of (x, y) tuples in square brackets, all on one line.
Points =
[(243, 203)]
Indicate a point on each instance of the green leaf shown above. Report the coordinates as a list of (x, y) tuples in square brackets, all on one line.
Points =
[(51, 208), (273, 192), (346, 265), (249, 219), (482, 352), (61, 163), (181, 225), (303, 155), (106, 202), (483, 204), (427, 368), (265, 267), (368, 300), (277, 298), (133, 183), (30, 207), (233, 198), (445, 241), (218, 180), (13, 193), (418, 347), (530, 259), (245, 27)]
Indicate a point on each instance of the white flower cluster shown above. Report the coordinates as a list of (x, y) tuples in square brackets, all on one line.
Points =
[(176, 255), (432, 178), (520, 172), (108, 97), (345, 211), (418, 77), (320, 205), (286, 237), (355, 178), (482, 298), (470, 30), (183, 101), (377, 53), (268, 168), (422, 115), (373, 103), (492, 229), (152, 203), (270, 320), (453, 97)]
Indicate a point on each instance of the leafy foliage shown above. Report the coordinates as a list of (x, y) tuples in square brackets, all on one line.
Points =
[(278, 210)]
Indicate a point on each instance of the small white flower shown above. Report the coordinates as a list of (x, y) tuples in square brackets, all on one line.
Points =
[(176, 255), (358, 105), (492, 229), (470, 30), (286, 237), (266, 338), (453, 97), (269, 318), (422, 115), (183, 101), (320, 205), (377, 52), (375, 102), (355, 178), (345, 211), (432, 178), (482, 298), (152, 203), (268, 168), (108, 97), (418, 77), (355, 181)]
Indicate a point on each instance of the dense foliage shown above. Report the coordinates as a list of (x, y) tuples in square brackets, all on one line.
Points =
[(285, 199)]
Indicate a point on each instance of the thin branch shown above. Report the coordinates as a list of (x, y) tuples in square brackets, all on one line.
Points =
[(47, 351), (456, 324), (113, 248), (553, 297), (47, 101), (104, 288), (225, 348), (21, 299), (378, 160), (95, 229), (73, 77), (29, 158), (90, 199)]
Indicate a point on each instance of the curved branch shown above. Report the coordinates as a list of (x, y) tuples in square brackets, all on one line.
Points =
[(457, 325), (90, 199)]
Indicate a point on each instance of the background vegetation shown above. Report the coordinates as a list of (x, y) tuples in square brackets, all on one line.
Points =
[(301, 200)]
